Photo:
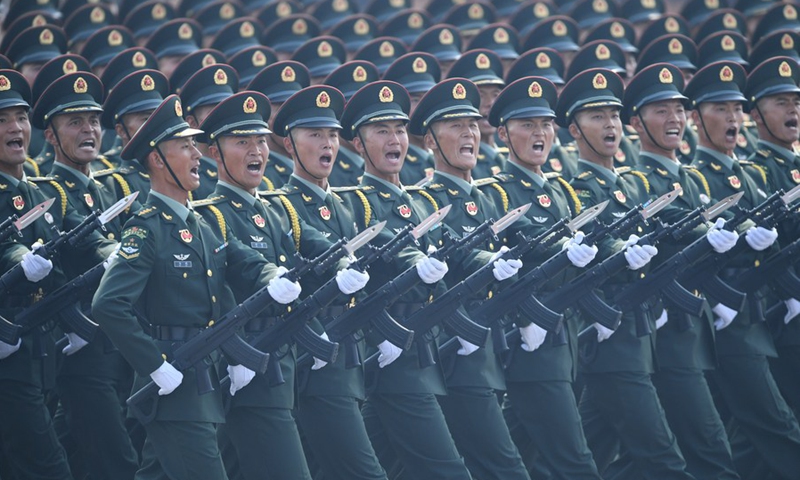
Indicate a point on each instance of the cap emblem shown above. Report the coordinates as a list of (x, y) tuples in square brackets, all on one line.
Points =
[(599, 82), (80, 86), (459, 92), (600, 6), (617, 30), (114, 38), (323, 100), (665, 76), (397, 3), (787, 42), (420, 65), (208, 60), (359, 74), (138, 60), (178, 108), (559, 28), (712, 3), (226, 11), (784, 70), (671, 25), (649, 3), (258, 59), (540, 10), (727, 43), (415, 21), (299, 27), (69, 66), (147, 83), (446, 37), (339, 5), (249, 105), (220, 77), (386, 50), (386, 95), (675, 46), (542, 60), (535, 90), (185, 31), (729, 21), (500, 35), (475, 12), (288, 75), (38, 21), (324, 49), (5, 83), (726, 74), (246, 30), (482, 61), (602, 52), (158, 12), (283, 9), (98, 15), (361, 27), (46, 37), (789, 12)]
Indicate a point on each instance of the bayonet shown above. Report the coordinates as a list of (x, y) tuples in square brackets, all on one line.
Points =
[(652, 208), (33, 214), (114, 210), (586, 216), (363, 238), (509, 218), (433, 220), (717, 209)]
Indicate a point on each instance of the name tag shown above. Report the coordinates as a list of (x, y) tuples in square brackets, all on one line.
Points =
[(259, 245), (182, 264)]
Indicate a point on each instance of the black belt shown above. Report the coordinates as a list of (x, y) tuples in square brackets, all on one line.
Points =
[(173, 333), (260, 324)]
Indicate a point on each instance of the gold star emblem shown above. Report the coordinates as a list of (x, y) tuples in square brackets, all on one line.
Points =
[(459, 92), (542, 60), (323, 100), (80, 86), (599, 81), (288, 75), (386, 95), (220, 77), (535, 90), (147, 83)]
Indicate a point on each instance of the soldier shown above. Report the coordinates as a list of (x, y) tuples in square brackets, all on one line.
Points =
[(328, 412), (443, 42), (178, 298), (540, 371), (172, 41), (321, 55), (655, 107), (743, 340), (447, 119), (93, 377), (374, 120), (619, 395), (285, 35), (259, 424)]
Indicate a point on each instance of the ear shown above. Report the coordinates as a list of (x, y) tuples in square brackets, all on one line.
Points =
[(502, 132), (49, 135), (358, 145), (574, 130), (121, 132), (287, 145), (755, 115), (154, 160), (213, 151), (192, 121), (636, 123), (430, 143)]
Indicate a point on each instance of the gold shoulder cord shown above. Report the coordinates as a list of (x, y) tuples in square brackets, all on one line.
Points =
[(429, 198), (270, 185), (572, 194), (105, 161), (503, 195), (126, 189), (643, 178), (220, 221), (63, 195), (35, 166), (293, 219), (697, 173), (762, 171), (367, 206)]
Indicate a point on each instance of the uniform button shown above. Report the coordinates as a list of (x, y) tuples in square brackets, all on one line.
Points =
[(209, 273), (111, 236), (757, 263), (440, 242), (164, 356), (641, 275), (40, 241), (282, 258), (211, 323), (213, 299), (491, 246), (639, 228), (185, 275), (288, 309), (490, 294)]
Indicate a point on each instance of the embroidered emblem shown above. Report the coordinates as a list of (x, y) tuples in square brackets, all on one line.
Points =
[(735, 182), (544, 201), (87, 197), (324, 212), (472, 208), (404, 210), (259, 220), (19, 202), (620, 196), (186, 235)]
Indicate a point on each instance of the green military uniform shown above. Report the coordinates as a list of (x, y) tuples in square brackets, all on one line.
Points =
[(421, 439), (743, 376), (328, 412), (417, 165), (619, 395), (470, 406), (540, 399), (92, 381), (347, 169), (279, 169)]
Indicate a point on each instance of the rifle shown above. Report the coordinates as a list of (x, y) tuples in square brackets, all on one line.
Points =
[(443, 309), (223, 335)]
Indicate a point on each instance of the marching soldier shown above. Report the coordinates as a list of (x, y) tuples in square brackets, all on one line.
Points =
[(173, 266), (447, 118)]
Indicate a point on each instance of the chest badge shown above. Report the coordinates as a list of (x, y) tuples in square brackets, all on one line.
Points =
[(620, 196), (544, 200), (472, 208), (620, 156), (555, 164), (87, 197), (796, 175), (685, 148), (259, 220), (741, 140), (404, 210), (19, 202), (325, 213), (735, 182), (186, 235)]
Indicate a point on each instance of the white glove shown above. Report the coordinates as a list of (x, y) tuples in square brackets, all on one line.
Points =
[(662, 320), (532, 337), (389, 353), (431, 270), (75, 344), (759, 238), (721, 240), (35, 266), (638, 255), (504, 269), (6, 350), (350, 280), (579, 254), (167, 377), (111, 257), (603, 333), (466, 347), (792, 310), (281, 289), (317, 362), (240, 377), (725, 316)]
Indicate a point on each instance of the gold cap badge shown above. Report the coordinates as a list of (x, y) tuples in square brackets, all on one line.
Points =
[(220, 77), (288, 75), (249, 105), (665, 76), (535, 90), (599, 81), (459, 92), (386, 95), (323, 100), (147, 83), (80, 86)]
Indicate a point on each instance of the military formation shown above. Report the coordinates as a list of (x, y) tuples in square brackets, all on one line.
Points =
[(399, 239)]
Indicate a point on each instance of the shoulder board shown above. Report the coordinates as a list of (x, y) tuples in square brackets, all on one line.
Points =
[(41, 179), (504, 177), (502, 149), (208, 201), (104, 172), (586, 174), (345, 189), (623, 169), (762, 153), (412, 188), (434, 186), (745, 163), (571, 147), (147, 212), (485, 181), (551, 175), (270, 193)]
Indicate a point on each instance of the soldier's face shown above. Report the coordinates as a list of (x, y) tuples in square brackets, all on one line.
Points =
[(599, 127), (316, 150), (167, 64), (488, 95), (184, 159), (718, 124), (79, 135), (245, 159), (665, 122), (529, 139), (15, 136), (384, 146), (780, 114), (132, 122), (458, 141)]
